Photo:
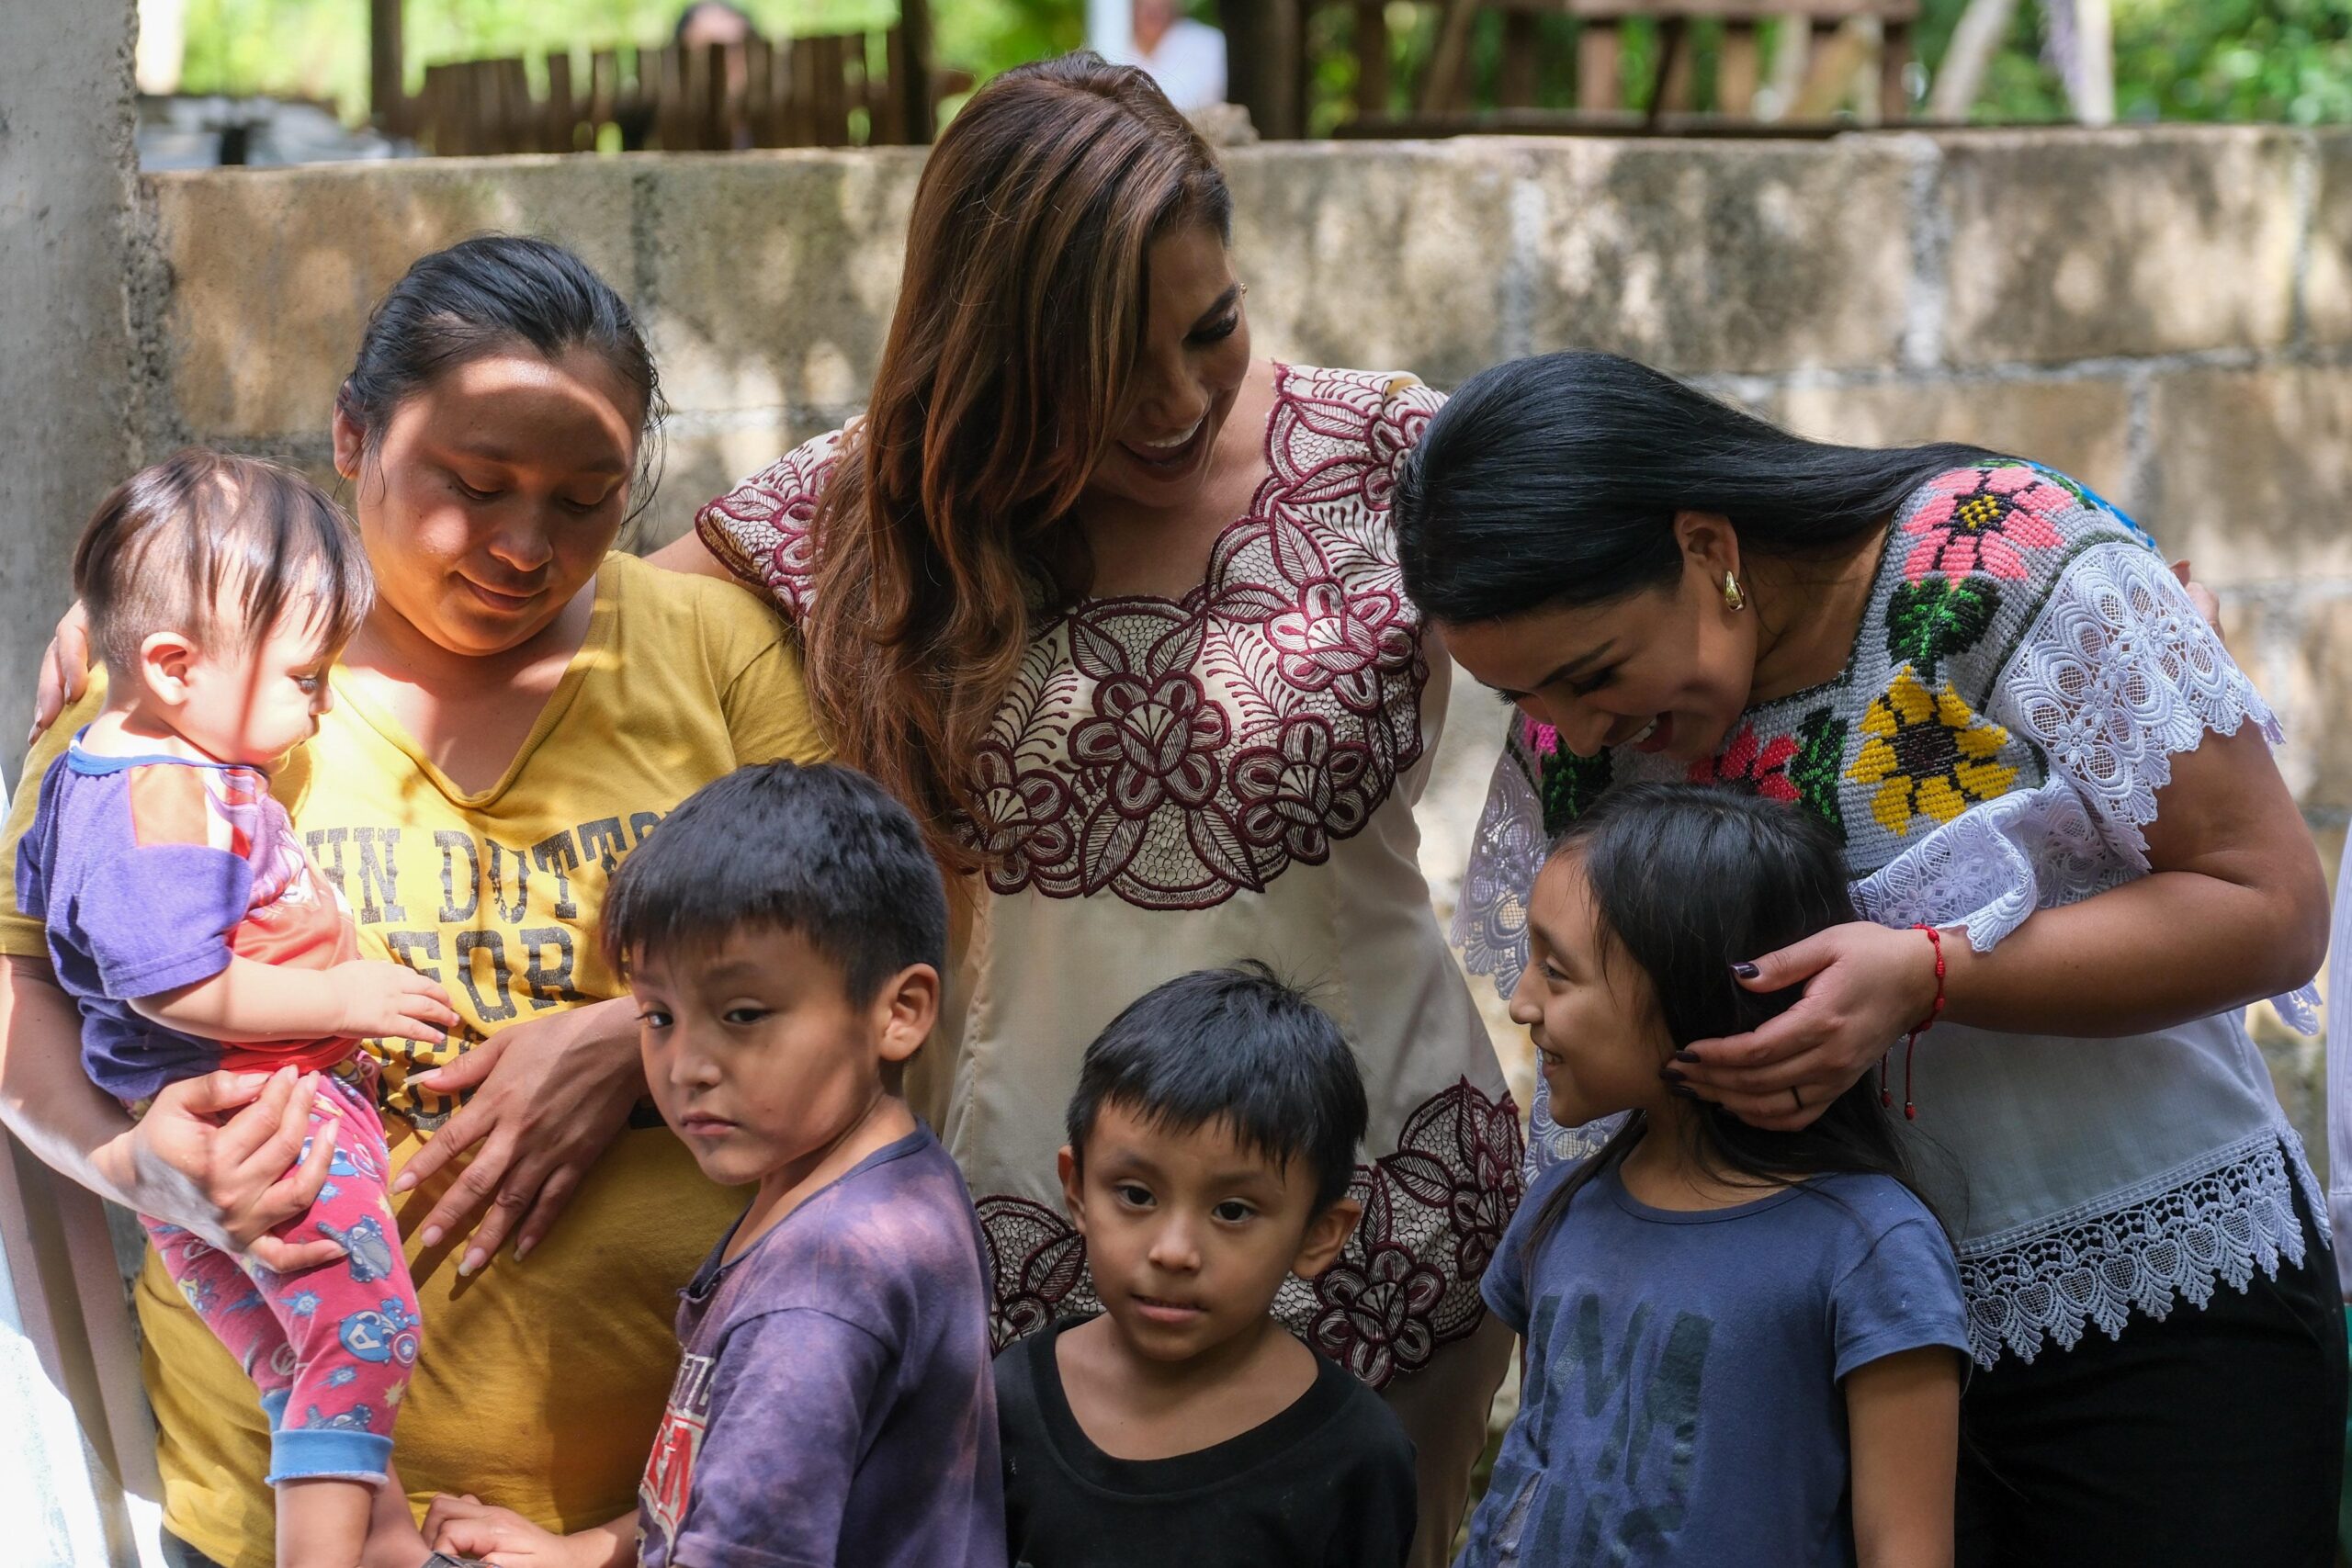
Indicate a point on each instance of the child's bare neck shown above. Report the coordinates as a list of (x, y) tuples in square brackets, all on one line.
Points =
[(883, 1123), (133, 730), (1663, 1170), (1135, 1406)]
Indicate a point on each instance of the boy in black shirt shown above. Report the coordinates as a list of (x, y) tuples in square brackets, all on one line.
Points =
[(1211, 1142)]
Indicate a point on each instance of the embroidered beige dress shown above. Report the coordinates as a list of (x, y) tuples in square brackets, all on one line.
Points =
[(1179, 784)]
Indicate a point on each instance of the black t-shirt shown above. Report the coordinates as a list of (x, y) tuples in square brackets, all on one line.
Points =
[(1327, 1484)]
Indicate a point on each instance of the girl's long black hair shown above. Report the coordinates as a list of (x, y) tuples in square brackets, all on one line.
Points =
[(1687, 882), (1556, 479)]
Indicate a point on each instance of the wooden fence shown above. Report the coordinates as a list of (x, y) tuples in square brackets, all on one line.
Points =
[(1847, 52), (853, 89)]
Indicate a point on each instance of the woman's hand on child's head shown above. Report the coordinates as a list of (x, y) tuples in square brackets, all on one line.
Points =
[(65, 669), (550, 1096), (216, 1155), (1864, 985), (385, 1000)]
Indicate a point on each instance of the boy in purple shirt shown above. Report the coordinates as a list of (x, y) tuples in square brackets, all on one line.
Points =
[(783, 934)]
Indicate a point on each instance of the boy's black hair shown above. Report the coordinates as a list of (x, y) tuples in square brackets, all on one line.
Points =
[(820, 851), (1234, 1045)]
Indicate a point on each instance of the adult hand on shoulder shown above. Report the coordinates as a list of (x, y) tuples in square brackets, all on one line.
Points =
[(1865, 986), (548, 1095), (234, 1181), (65, 669)]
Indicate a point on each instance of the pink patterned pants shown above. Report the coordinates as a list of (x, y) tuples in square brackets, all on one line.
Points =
[(329, 1348)]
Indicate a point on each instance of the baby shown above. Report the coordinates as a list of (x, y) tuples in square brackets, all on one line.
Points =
[(1212, 1138), (194, 934)]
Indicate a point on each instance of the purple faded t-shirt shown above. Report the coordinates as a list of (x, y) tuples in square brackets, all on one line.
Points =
[(835, 1403), (152, 873)]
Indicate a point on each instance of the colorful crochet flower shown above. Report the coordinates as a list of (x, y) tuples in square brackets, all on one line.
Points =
[(1929, 754), (1981, 520), (1756, 767), (1566, 783)]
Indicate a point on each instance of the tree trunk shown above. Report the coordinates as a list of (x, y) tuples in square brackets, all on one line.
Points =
[(1975, 43), (387, 86), (1263, 71)]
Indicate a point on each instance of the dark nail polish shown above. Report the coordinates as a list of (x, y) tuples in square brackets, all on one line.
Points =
[(1692, 1056), (1669, 1074), (1745, 971), (1683, 1091)]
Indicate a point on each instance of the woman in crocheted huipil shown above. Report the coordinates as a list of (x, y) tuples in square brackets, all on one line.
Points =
[(1984, 679), (1118, 609)]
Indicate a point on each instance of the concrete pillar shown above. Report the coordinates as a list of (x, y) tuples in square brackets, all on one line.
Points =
[(68, 185)]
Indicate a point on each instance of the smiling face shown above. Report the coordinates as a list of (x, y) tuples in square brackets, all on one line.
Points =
[(759, 1057), (1195, 358), (1598, 1038), (1190, 1234), (1666, 668), (493, 494)]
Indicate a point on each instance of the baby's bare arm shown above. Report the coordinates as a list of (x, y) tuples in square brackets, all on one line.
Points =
[(248, 1000)]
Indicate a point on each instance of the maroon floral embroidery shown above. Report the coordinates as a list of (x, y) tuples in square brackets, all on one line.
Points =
[(1153, 742), (1759, 767), (762, 528), (1302, 790), (1408, 1282), (1037, 1266), (1377, 1322), (1021, 825), (1201, 745), (1337, 642)]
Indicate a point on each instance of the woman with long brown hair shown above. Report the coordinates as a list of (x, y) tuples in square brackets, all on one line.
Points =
[(1116, 608)]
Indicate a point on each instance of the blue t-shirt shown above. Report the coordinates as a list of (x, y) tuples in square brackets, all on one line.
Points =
[(1681, 1401), (835, 1403)]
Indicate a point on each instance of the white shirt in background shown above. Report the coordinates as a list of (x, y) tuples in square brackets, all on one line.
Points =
[(1189, 64)]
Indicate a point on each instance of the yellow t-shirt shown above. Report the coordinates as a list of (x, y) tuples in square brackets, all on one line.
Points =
[(541, 1383)]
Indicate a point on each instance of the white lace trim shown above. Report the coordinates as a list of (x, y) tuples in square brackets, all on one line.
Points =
[(1506, 850), (1990, 867), (1550, 1145), (2219, 1225), (2118, 672)]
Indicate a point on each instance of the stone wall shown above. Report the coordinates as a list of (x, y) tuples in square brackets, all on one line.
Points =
[(2164, 312), (66, 380)]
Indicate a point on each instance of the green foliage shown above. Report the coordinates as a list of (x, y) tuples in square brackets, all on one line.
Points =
[(2209, 59), (2195, 60), (318, 48)]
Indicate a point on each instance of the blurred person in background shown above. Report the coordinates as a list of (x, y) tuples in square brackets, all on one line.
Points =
[(1185, 57)]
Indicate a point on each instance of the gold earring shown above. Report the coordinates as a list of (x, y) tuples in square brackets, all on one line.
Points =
[(1734, 598)]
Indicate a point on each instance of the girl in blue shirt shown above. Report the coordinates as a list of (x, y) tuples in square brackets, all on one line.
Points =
[(1740, 1346)]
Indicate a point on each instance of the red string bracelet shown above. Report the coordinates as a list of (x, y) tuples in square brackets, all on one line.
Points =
[(1885, 1098)]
